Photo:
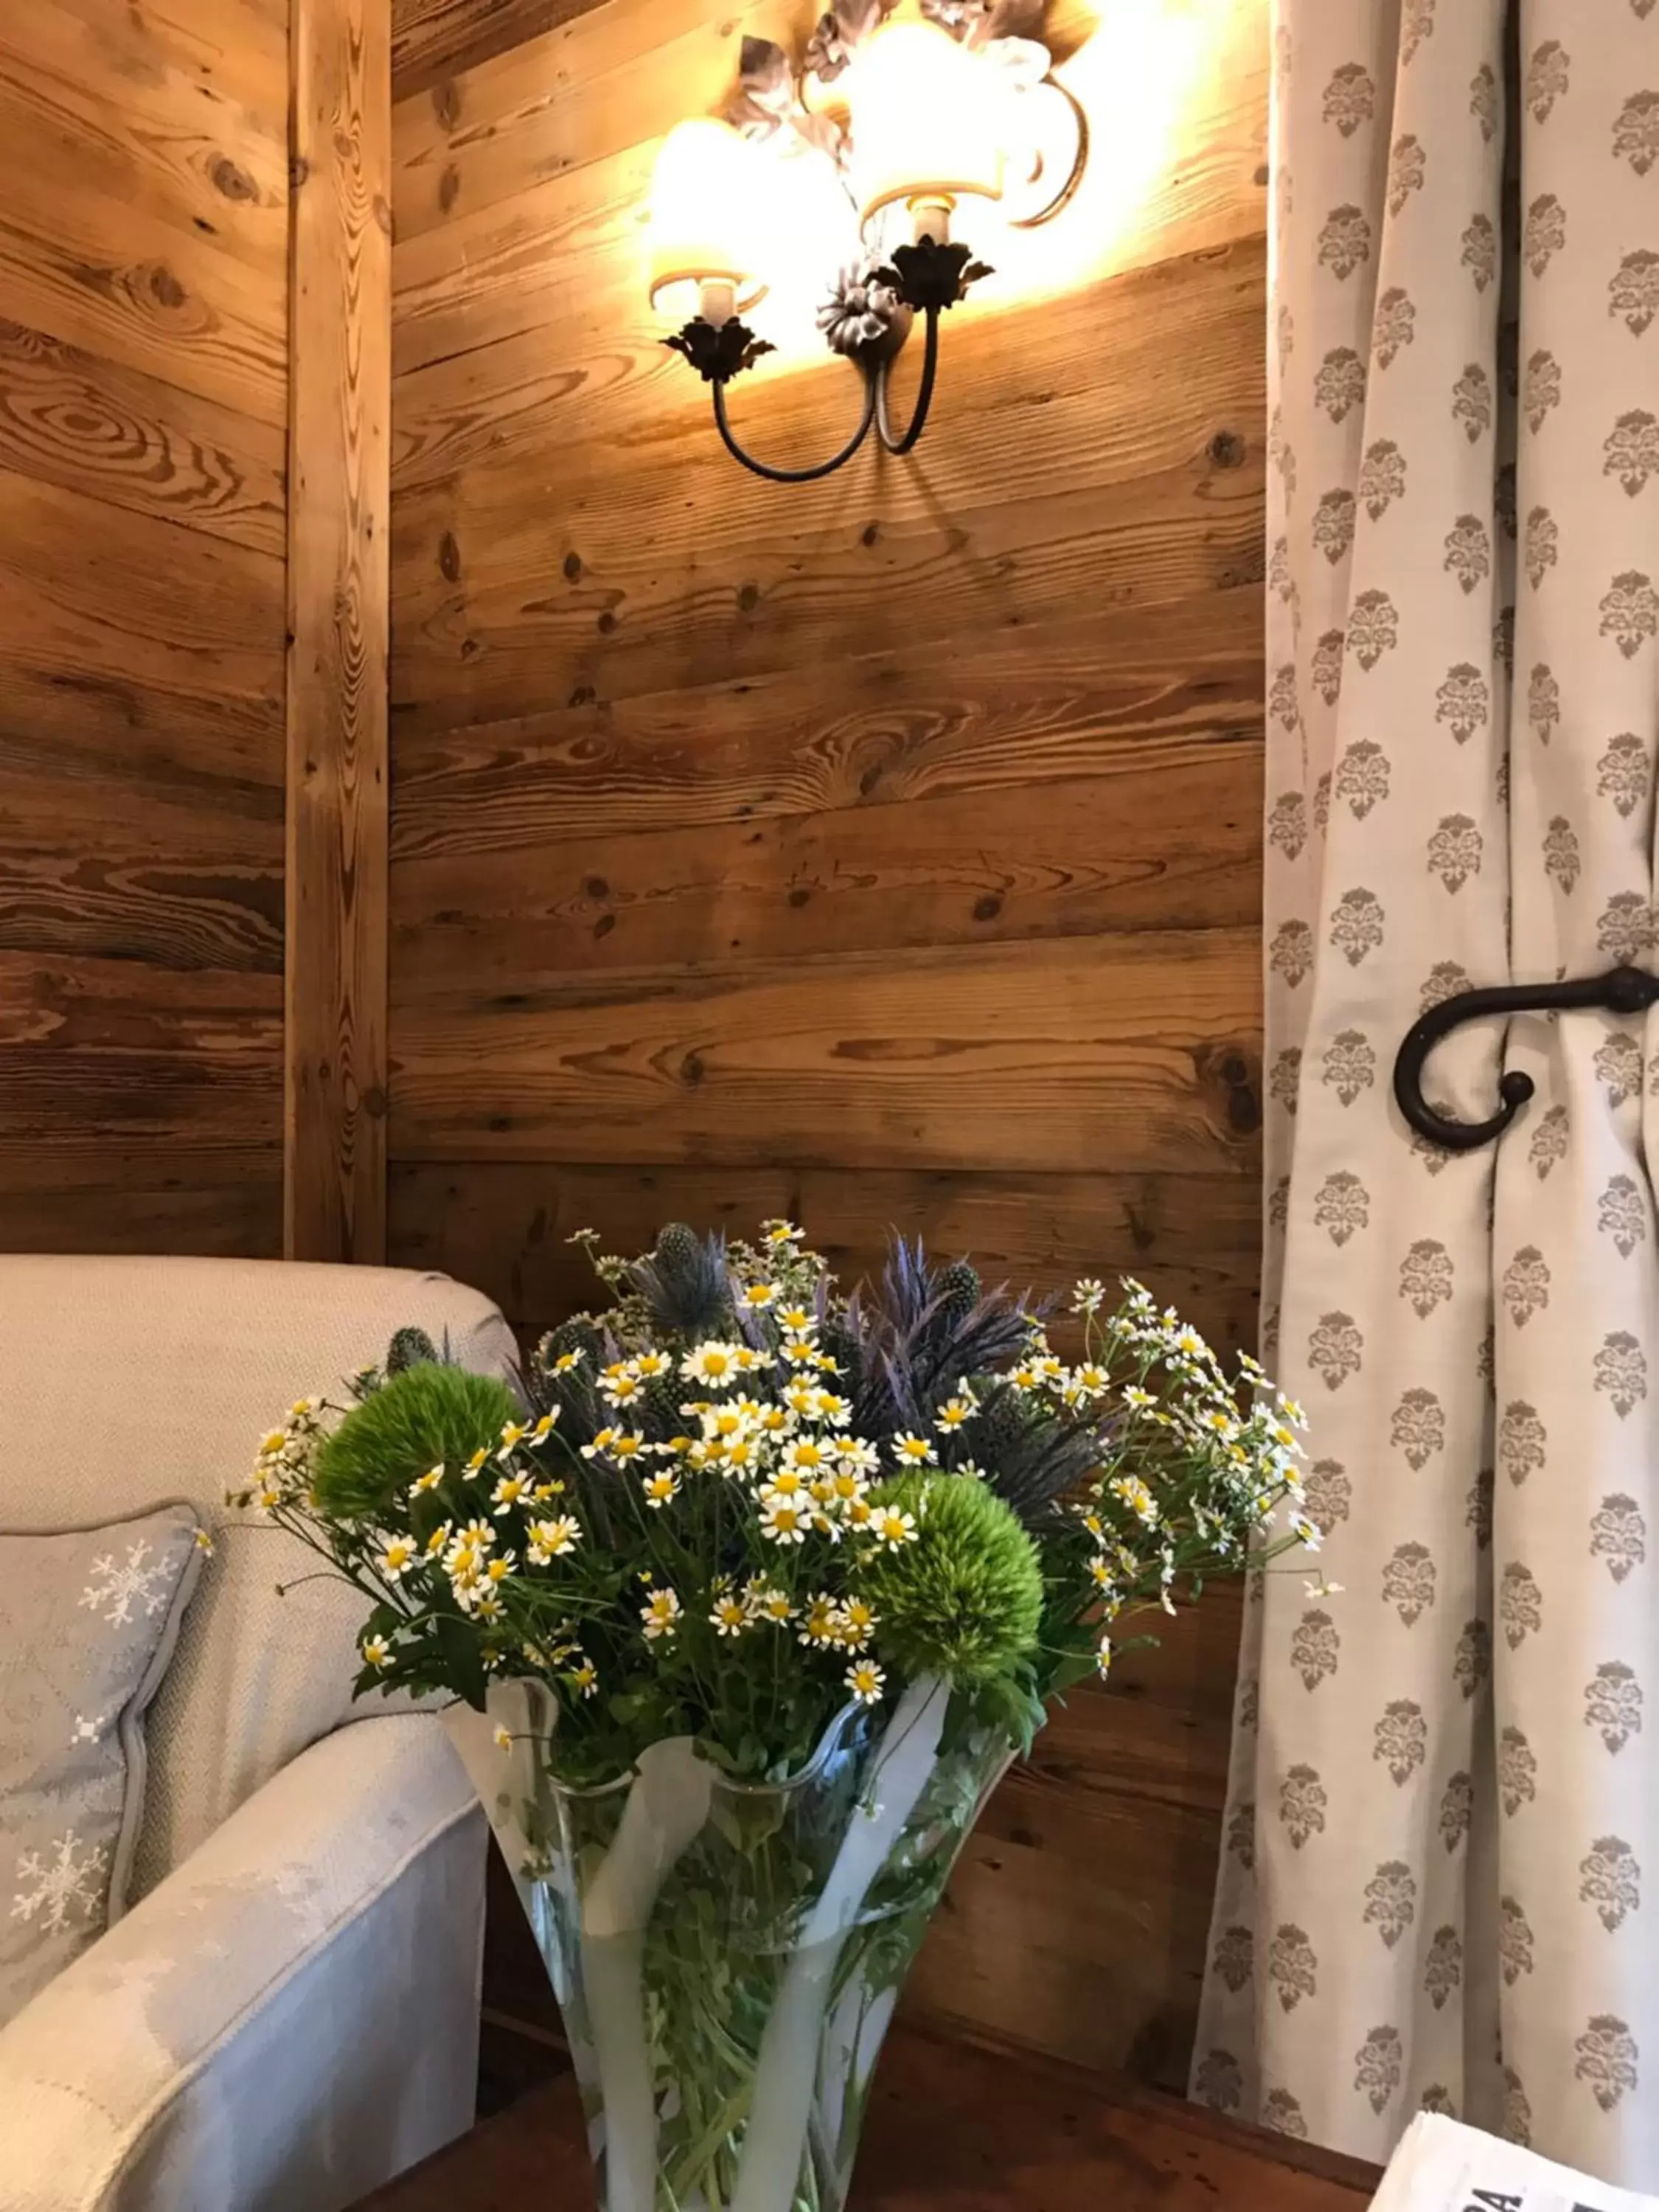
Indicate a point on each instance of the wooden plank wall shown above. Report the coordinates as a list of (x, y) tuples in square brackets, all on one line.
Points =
[(881, 851), (144, 392), (339, 436)]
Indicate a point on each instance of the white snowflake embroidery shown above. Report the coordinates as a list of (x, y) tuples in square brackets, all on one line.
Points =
[(89, 1731), (67, 1878), (118, 1587)]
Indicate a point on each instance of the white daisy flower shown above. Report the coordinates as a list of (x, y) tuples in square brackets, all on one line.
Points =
[(914, 1451), (955, 1413), (659, 1488), (855, 1623), (396, 1558), (865, 1680), (712, 1362), (729, 1616), (660, 1614), (892, 1528), (376, 1651), (509, 1492), (553, 1540), (784, 1520), (429, 1481), (819, 1622), (1136, 1495), (584, 1679), (503, 1738)]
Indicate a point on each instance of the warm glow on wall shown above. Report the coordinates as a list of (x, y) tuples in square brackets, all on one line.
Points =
[(926, 125), (912, 115), (1047, 180)]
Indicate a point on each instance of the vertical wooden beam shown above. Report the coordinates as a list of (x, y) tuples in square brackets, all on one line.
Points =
[(339, 414)]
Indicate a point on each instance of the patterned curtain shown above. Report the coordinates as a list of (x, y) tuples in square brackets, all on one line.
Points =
[(1440, 1880)]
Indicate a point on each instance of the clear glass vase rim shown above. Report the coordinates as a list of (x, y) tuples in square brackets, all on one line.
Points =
[(828, 1744)]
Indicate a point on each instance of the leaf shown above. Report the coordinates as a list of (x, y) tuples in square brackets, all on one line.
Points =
[(459, 1643), (1011, 19), (766, 78), (855, 20)]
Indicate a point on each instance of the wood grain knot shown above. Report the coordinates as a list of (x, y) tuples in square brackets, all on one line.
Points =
[(692, 1070), (573, 566), (233, 182), (446, 103), (449, 558), (164, 287), (1243, 1105), (988, 908), (1227, 449), (749, 598), (449, 186)]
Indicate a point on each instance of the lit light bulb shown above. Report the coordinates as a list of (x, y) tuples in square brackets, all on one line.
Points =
[(926, 130), (706, 241)]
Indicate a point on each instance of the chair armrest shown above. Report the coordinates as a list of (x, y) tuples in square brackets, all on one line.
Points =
[(287, 2020)]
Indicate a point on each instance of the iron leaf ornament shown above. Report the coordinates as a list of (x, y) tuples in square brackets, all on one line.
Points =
[(933, 277), (719, 351)]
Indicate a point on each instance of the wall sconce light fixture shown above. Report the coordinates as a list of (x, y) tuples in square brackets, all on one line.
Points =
[(940, 106)]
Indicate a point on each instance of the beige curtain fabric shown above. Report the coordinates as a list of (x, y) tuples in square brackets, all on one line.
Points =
[(1440, 1880)]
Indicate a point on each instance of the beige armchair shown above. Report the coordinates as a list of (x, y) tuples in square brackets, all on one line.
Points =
[(287, 2013)]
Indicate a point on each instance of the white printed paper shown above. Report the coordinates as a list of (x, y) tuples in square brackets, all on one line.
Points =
[(1440, 2165)]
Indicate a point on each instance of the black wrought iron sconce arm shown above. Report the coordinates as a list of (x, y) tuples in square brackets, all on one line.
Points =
[(1620, 990), (925, 277)]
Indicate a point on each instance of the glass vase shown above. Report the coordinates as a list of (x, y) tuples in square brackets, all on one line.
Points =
[(727, 1956)]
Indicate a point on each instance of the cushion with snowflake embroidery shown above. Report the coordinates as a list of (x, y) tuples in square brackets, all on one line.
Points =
[(88, 1618)]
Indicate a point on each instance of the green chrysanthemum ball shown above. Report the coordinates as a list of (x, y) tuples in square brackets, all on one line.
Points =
[(426, 1414), (965, 1599)]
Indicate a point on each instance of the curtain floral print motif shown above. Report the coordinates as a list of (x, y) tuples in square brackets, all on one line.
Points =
[(1442, 1868)]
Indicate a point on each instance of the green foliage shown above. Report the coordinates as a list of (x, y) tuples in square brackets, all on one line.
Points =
[(965, 1599), (425, 1416), (681, 1535)]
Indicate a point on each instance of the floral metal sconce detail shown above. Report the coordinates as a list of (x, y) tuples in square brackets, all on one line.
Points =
[(937, 103)]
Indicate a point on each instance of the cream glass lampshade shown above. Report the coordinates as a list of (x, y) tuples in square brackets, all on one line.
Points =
[(706, 244), (927, 127)]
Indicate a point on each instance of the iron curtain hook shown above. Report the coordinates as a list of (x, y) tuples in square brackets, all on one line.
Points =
[(1620, 990)]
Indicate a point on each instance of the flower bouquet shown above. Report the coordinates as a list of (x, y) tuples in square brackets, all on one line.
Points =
[(745, 1604)]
